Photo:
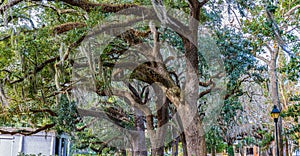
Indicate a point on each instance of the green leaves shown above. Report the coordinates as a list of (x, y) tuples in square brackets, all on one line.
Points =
[(67, 115), (292, 69), (213, 138), (272, 8)]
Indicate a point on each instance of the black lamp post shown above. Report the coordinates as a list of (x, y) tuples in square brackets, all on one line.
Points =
[(275, 115)]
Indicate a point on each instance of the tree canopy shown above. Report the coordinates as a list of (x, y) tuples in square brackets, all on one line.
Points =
[(148, 77)]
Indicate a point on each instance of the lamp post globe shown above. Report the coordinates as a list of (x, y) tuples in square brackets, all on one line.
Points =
[(275, 113)]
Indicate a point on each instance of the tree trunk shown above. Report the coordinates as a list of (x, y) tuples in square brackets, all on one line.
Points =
[(184, 146), (3, 99), (175, 147), (188, 111), (123, 153), (213, 150), (195, 139), (242, 151), (157, 136), (138, 136), (286, 147), (162, 119), (275, 93), (280, 137), (178, 134), (186, 101), (193, 131)]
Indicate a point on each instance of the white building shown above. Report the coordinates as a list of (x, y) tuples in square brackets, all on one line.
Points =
[(44, 143)]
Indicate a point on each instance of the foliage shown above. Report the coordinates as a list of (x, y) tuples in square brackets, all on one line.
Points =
[(266, 140), (67, 115), (241, 68), (22, 154), (293, 112), (230, 150), (39, 42), (213, 138), (291, 69)]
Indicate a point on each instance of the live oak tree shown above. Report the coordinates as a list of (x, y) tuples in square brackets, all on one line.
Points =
[(40, 37), (51, 76)]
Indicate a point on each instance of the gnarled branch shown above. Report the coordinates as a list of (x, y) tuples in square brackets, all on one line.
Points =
[(105, 8), (67, 26), (27, 132)]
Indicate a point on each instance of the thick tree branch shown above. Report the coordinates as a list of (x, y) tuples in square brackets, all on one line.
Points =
[(155, 15), (52, 113), (27, 132), (277, 34), (92, 113), (103, 115), (3, 98), (152, 72), (105, 8), (84, 4), (115, 29), (156, 48), (135, 94), (103, 144), (131, 101), (263, 59), (291, 11), (207, 90), (143, 14), (133, 37), (205, 84), (67, 26)]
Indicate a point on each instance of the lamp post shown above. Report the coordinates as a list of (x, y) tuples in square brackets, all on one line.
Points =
[(275, 115)]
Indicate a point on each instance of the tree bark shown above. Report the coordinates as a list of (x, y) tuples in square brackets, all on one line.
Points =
[(213, 150), (3, 99), (138, 136), (286, 146), (123, 152), (175, 147), (188, 111), (193, 131), (157, 135), (184, 146), (162, 119), (274, 93), (178, 134)]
